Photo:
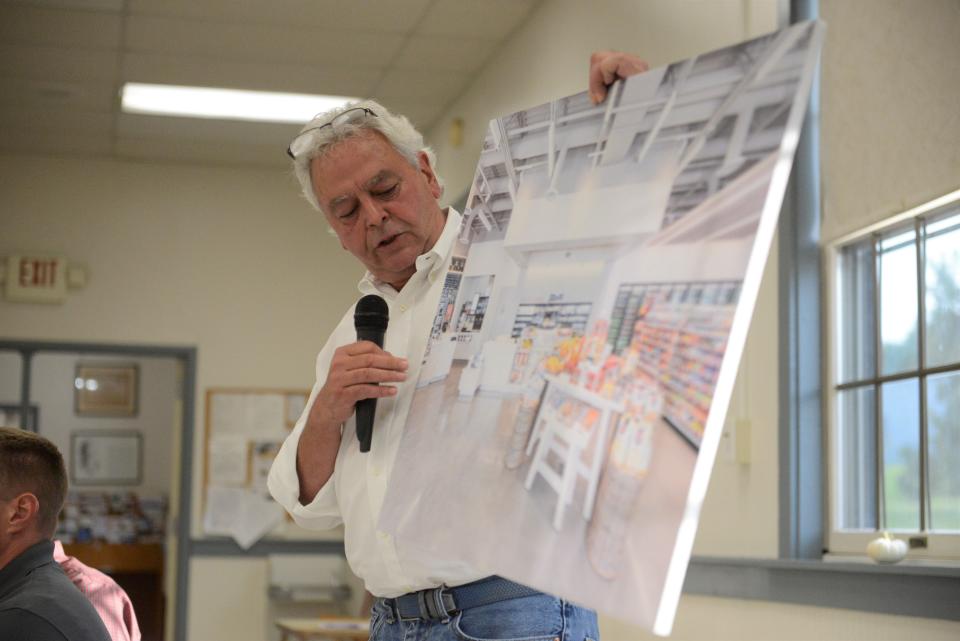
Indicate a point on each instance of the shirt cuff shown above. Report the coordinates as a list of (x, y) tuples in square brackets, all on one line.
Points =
[(323, 512)]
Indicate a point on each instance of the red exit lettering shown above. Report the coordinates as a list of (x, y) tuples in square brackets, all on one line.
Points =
[(38, 272)]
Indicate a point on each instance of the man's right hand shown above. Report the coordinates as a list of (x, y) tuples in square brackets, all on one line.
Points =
[(357, 371)]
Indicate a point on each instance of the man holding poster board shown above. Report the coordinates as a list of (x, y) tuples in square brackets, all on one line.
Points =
[(370, 174)]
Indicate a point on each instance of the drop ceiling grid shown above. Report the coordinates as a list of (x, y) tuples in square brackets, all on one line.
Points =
[(62, 61)]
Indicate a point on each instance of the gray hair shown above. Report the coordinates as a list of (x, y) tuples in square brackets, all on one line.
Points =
[(397, 129)]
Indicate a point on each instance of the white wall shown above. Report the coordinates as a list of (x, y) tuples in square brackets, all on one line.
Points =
[(489, 258), (566, 276), (229, 599), (891, 126)]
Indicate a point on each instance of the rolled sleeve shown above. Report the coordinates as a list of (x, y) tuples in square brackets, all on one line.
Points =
[(323, 512)]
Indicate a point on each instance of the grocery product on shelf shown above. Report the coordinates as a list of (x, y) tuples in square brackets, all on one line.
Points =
[(551, 315), (676, 332)]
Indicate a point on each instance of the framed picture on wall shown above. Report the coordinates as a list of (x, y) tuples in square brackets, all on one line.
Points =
[(105, 390), (102, 457)]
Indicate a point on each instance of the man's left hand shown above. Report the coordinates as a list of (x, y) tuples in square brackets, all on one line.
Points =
[(608, 66)]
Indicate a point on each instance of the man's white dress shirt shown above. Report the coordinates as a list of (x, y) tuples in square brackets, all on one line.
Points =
[(354, 493)]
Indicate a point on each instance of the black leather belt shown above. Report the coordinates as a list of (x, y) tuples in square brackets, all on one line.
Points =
[(437, 604)]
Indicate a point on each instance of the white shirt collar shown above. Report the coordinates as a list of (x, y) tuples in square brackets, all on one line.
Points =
[(430, 261)]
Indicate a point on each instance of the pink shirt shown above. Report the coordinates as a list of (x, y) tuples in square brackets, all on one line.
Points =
[(108, 598)]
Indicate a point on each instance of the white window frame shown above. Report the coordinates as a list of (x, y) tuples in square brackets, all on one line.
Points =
[(941, 548)]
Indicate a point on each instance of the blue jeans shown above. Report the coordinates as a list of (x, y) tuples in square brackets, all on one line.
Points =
[(538, 617)]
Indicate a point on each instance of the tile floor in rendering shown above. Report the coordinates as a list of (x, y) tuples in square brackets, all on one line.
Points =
[(509, 529)]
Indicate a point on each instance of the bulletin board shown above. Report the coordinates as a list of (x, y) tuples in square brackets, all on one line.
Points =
[(243, 431)]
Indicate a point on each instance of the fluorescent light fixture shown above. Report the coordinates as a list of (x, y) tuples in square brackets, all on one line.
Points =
[(225, 104)]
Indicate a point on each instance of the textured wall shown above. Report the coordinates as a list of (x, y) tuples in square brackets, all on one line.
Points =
[(891, 108)]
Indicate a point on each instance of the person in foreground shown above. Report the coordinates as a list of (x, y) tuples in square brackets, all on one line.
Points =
[(371, 176), (108, 599), (37, 600)]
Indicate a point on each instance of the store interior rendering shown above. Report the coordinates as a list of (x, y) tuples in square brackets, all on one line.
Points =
[(599, 268)]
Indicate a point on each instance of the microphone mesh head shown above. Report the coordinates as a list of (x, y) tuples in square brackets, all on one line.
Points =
[(371, 312)]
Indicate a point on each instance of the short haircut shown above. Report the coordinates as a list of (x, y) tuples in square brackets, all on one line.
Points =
[(31, 463), (396, 129)]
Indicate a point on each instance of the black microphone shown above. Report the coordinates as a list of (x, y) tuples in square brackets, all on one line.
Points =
[(370, 318)]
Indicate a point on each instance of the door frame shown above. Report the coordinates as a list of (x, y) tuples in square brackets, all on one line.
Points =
[(188, 358)]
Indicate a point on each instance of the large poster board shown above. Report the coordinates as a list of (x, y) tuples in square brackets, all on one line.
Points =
[(572, 394)]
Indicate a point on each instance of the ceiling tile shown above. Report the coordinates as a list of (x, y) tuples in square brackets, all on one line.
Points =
[(421, 113), (60, 63), (44, 94), (37, 26), (420, 95), (49, 63), (487, 19), (445, 53), (425, 85), (260, 43), (61, 120), (78, 5), (186, 70), (395, 16), (187, 151), (274, 135), (46, 141)]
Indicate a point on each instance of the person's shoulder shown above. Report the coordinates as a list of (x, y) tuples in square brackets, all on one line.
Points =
[(91, 581), (25, 625), (51, 596)]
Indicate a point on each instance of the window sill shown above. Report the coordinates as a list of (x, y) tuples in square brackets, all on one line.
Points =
[(912, 589), (905, 566)]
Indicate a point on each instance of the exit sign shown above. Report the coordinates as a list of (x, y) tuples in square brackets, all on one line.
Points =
[(36, 279)]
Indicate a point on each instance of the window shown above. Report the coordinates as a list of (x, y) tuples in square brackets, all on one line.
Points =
[(894, 401)]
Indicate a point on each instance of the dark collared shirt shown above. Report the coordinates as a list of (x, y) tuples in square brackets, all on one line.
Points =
[(39, 603)]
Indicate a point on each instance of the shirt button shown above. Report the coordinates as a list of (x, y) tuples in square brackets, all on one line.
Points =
[(403, 308), (376, 472), (383, 536)]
